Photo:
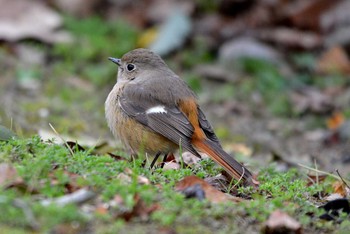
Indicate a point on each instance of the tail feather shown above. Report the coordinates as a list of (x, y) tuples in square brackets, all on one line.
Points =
[(234, 168)]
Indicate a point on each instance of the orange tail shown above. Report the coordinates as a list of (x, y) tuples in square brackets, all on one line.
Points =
[(231, 166)]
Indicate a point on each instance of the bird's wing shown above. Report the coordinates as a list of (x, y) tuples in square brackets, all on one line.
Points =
[(207, 128), (168, 121)]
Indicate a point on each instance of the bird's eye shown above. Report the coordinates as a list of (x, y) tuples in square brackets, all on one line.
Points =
[(130, 67)]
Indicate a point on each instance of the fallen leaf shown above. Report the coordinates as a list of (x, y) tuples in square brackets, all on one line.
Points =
[(336, 120), (307, 14), (9, 176), (104, 207), (334, 60), (195, 184), (341, 189), (314, 179), (101, 209), (30, 19), (280, 222), (140, 210)]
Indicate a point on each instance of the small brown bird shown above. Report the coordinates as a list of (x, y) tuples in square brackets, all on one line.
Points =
[(153, 111)]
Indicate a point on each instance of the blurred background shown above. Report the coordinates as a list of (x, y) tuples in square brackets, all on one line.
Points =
[(272, 75)]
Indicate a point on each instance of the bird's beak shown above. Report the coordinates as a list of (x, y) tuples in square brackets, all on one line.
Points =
[(115, 60)]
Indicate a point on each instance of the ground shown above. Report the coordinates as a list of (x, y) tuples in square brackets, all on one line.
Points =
[(286, 121)]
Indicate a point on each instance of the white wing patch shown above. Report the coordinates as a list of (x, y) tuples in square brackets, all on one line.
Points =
[(156, 109)]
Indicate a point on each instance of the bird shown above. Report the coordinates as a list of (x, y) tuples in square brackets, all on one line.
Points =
[(153, 111)]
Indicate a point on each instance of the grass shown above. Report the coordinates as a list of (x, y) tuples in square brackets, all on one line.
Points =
[(48, 170)]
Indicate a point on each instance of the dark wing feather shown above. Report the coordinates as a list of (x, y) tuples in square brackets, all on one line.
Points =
[(173, 124), (206, 127)]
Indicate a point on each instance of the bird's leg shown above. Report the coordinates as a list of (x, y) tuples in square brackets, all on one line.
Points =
[(144, 163), (155, 159), (164, 160)]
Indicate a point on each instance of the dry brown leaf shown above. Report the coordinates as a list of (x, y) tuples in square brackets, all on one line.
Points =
[(140, 210), (101, 209), (211, 193), (280, 222), (307, 14), (70, 186), (335, 121), (314, 179), (340, 188), (30, 19), (334, 60), (9, 176)]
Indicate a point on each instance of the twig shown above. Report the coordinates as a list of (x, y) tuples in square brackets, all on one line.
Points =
[(182, 163), (78, 197), (65, 142), (240, 179), (342, 179), (323, 172), (28, 213), (317, 179)]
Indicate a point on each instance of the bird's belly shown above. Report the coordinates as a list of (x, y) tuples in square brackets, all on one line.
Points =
[(140, 139)]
